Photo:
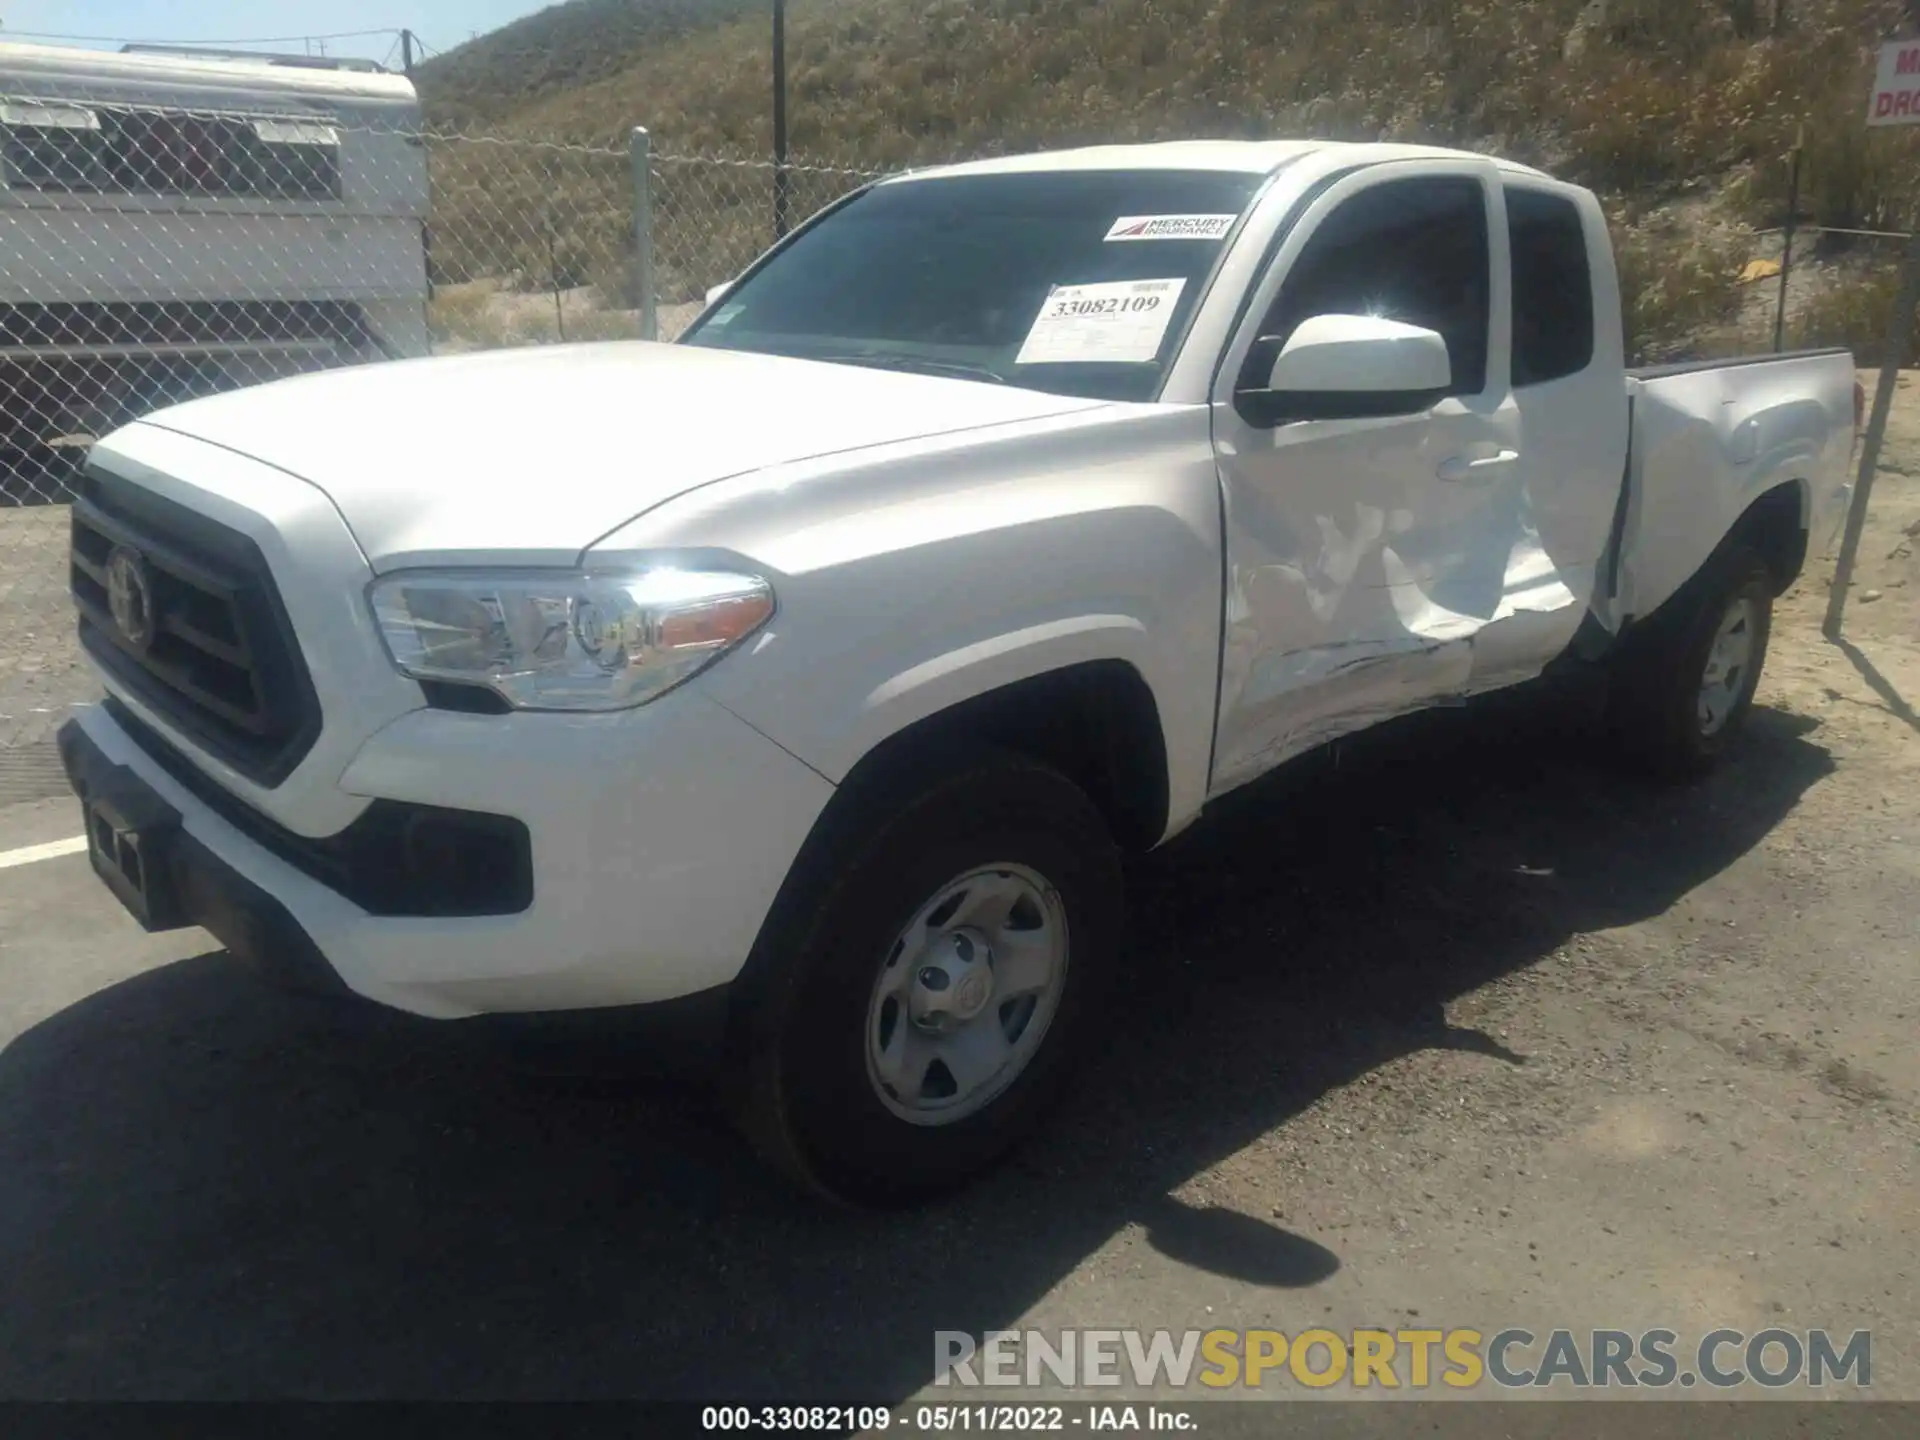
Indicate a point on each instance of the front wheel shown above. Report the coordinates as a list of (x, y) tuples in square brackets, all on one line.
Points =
[(1683, 682), (925, 1001)]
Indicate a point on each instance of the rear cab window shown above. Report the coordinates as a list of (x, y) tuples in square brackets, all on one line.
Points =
[(1074, 282), (1553, 322)]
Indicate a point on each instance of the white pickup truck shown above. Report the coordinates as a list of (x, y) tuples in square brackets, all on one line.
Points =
[(810, 676)]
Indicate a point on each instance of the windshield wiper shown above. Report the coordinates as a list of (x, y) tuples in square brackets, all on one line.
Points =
[(957, 369)]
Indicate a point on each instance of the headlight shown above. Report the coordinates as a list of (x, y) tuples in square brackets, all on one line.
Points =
[(562, 641)]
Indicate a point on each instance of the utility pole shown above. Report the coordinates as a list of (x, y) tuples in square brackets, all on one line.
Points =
[(780, 117), (406, 53)]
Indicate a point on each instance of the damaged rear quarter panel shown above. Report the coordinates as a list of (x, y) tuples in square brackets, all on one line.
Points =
[(1709, 442)]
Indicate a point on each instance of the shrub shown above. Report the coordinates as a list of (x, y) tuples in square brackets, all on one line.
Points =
[(1644, 100), (1855, 313), (1677, 285)]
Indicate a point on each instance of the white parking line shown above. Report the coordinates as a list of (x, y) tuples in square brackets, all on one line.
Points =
[(27, 854)]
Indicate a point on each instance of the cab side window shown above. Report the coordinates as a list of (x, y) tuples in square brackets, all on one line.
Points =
[(1552, 287), (1409, 250)]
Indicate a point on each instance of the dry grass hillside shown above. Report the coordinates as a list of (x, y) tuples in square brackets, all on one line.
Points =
[(1679, 112), (561, 48)]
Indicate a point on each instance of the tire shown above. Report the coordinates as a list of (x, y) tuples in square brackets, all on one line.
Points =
[(1663, 710), (815, 1072)]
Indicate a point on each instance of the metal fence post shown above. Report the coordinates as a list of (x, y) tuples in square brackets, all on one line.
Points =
[(642, 156), (1899, 337), (553, 275), (1786, 249), (779, 119)]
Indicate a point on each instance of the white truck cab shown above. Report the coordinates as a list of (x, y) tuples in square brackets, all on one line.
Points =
[(994, 523)]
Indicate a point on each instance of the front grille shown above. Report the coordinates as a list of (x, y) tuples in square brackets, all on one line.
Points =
[(204, 640)]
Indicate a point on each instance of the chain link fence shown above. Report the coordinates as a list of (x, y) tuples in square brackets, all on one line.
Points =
[(1831, 286), (151, 256), (713, 218), (533, 243)]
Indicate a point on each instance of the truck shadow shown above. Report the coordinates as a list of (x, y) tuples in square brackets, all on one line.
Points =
[(209, 1189)]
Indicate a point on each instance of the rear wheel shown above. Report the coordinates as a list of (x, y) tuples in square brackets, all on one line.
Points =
[(924, 1001), (1684, 681)]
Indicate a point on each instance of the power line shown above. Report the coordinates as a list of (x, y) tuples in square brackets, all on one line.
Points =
[(256, 40)]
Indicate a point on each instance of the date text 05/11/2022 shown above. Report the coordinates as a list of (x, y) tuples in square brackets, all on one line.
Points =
[(945, 1419)]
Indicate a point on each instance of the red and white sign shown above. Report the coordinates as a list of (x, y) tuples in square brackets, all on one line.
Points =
[(1896, 86)]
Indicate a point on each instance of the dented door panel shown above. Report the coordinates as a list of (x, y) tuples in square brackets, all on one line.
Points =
[(1375, 564)]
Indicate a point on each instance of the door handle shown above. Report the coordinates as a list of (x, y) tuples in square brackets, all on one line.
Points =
[(1460, 470)]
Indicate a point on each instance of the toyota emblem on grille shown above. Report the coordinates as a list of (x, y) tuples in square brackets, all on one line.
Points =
[(130, 596)]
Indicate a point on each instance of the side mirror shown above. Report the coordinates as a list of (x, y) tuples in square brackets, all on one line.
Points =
[(1355, 366), (717, 293)]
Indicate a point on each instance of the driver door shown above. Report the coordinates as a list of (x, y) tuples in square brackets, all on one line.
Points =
[(1365, 550)]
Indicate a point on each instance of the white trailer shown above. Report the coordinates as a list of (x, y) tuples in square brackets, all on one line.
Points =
[(177, 223)]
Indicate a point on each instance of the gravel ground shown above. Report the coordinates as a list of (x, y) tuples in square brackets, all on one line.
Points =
[(1463, 1029), (41, 673)]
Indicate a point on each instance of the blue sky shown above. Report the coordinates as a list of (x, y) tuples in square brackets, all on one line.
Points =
[(441, 23)]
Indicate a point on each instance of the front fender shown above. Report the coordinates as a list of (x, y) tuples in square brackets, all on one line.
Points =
[(913, 578), (945, 680)]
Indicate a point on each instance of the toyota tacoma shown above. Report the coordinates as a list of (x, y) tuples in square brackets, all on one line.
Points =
[(814, 673)]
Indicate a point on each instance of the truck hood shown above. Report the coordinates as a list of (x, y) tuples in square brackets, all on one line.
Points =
[(529, 456)]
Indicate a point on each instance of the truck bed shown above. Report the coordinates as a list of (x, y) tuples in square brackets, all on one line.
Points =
[(1709, 438), (1695, 367)]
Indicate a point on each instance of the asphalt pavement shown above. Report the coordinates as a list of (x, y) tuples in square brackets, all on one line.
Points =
[(1412, 1039)]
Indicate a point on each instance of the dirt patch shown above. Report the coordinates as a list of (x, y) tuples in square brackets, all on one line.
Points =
[(42, 677), (488, 315)]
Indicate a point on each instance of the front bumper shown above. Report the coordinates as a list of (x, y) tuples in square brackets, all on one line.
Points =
[(185, 882), (659, 838)]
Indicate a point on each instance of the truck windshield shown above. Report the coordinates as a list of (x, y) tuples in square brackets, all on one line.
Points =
[(1075, 282)]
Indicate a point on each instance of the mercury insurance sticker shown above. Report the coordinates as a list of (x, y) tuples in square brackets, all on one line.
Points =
[(1117, 320), (1171, 227)]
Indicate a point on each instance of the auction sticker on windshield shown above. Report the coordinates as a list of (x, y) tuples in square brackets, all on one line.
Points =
[(1171, 227), (1114, 321)]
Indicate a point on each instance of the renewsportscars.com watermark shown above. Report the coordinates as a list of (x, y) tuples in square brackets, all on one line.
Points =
[(1511, 1359)]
